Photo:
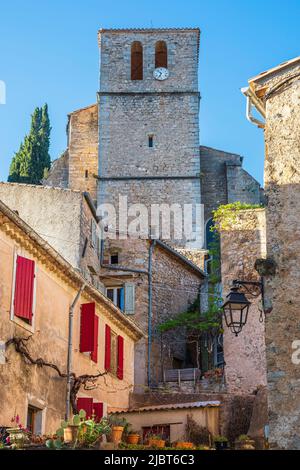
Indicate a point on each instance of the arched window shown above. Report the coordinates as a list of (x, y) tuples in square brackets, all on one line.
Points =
[(161, 54), (136, 61)]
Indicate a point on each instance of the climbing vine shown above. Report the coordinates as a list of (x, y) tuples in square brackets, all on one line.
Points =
[(226, 215), (87, 381)]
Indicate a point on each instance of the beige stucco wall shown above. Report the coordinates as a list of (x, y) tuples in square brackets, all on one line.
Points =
[(177, 419), (242, 242), (22, 383)]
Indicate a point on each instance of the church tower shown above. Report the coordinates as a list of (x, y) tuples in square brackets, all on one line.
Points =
[(149, 119)]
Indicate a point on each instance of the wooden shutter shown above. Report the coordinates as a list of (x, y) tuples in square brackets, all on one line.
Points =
[(120, 369), (85, 404), (24, 288), (94, 353), (129, 298), (98, 411), (107, 348), (87, 327)]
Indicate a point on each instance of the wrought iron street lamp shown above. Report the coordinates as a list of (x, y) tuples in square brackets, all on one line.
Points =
[(236, 305)]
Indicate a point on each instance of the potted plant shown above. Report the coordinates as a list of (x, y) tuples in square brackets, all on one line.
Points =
[(133, 437), (18, 436), (244, 442), (221, 442), (117, 425), (156, 440)]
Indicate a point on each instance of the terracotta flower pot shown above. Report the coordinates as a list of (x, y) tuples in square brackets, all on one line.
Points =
[(184, 445), (159, 443), (70, 433), (133, 438), (247, 444), (116, 434), (18, 437)]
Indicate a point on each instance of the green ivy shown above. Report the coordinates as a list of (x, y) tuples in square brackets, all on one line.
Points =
[(226, 215)]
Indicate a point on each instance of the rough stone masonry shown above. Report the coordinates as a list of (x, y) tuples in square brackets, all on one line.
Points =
[(278, 90)]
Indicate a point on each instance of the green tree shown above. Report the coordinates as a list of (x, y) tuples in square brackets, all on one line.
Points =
[(32, 160)]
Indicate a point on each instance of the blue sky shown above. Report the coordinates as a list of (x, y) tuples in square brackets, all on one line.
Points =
[(49, 53)]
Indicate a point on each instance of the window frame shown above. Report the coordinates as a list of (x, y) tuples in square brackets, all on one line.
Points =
[(115, 295)]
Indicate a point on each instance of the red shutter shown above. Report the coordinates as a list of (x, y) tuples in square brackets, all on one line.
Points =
[(120, 370), (107, 348), (85, 404), (98, 411), (94, 353), (87, 327), (24, 286)]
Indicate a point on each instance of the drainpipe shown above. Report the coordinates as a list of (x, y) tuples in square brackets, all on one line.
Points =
[(70, 349), (249, 104), (151, 249)]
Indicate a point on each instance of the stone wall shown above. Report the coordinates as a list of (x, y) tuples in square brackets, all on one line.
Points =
[(61, 216), (242, 242), (132, 110), (83, 149), (58, 175), (223, 180), (175, 286), (115, 51), (281, 89)]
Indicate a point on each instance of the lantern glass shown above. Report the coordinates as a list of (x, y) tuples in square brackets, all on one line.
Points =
[(236, 310)]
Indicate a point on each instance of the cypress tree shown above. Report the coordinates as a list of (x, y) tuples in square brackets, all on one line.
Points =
[(32, 160)]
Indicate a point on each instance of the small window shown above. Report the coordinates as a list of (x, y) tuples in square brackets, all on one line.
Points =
[(116, 295), (150, 141), (114, 258), (34, 419), (86, 173), (161, 54), (136, 61)]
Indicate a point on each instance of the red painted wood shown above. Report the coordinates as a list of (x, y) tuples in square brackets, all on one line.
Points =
[(85, 404), (107, 348), (94, 353), (98, 411), (120, 369), (87, 327), (24, 288)]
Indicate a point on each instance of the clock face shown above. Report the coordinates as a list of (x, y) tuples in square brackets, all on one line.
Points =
[(161, 73)]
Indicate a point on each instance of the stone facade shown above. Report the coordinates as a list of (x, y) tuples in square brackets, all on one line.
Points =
[(242, 242), (63, 217), (175, 285), (83, 140), (223, 180), (132, 110), (278, 92)]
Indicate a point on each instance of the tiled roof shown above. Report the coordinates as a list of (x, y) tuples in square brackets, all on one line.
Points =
[(176, 406), (183, 258), (281, 66), (40, 186)]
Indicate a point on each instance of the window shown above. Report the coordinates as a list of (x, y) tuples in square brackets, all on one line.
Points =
[(116, 295), (86, 173), (136, 61), (24, 289), (114, 353), (114, 258), (34, 419), (161, 54), (150, 141)]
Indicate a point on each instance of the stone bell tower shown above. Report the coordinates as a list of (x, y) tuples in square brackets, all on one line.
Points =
[(149, 119)]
